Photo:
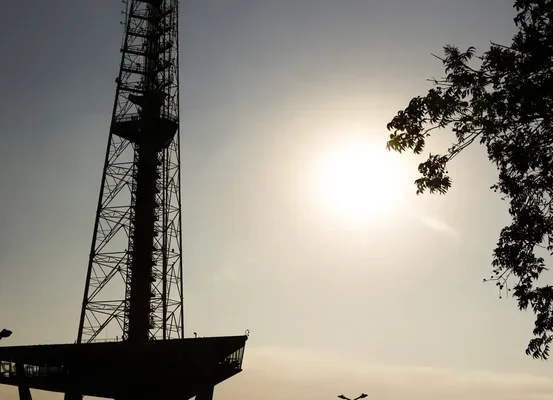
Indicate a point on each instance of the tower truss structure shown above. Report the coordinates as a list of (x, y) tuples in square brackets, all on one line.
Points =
[(133, 286)]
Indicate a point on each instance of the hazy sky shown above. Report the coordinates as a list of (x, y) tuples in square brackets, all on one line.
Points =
[(391, 304)]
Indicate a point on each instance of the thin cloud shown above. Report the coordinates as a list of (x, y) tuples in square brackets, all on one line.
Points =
[(276, 373), (440, 227)]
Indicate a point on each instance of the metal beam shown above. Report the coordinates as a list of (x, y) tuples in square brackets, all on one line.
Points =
[(206, 393)]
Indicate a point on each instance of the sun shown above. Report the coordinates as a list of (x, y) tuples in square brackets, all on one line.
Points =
[(359, 180)]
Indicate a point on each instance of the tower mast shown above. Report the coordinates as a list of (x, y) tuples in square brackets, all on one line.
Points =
[(133, 288)]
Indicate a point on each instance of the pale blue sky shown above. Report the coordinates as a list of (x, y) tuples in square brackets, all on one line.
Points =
[(267, 84)]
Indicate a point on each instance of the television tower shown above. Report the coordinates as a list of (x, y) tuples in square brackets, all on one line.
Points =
[(133, 291), (137, 233)]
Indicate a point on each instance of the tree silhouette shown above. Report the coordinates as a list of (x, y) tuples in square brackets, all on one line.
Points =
[(502, 99)]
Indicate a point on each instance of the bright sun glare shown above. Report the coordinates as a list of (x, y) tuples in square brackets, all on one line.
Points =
[(360, 180)]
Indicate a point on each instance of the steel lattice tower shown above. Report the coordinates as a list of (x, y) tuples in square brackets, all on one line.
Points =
[(133, 286)]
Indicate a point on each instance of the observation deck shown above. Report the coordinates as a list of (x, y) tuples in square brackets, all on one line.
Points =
[(178, 367)]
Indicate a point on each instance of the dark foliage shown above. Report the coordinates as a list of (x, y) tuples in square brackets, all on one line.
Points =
[(503, 100)]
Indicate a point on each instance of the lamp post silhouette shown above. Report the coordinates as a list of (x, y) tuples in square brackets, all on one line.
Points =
[(361, 396), (4, 333)]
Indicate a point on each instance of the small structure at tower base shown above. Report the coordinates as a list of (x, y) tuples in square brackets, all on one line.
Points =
[(178, 368)]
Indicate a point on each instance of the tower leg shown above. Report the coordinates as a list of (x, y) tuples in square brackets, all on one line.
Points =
[(206, 393), (24, 391)]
